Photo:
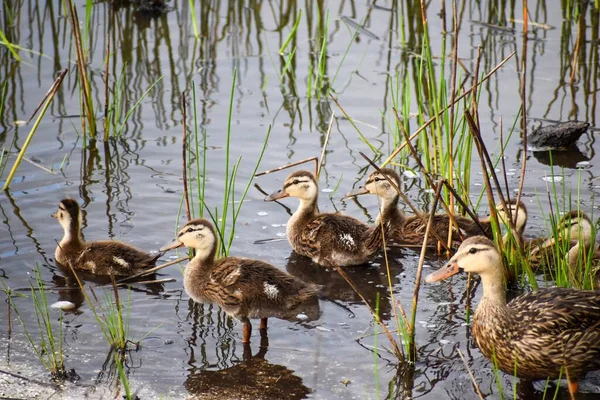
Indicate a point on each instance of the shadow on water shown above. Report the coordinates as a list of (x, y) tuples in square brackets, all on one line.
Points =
[(253, 377)]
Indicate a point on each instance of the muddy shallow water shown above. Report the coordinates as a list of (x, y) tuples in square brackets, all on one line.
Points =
[(135, 194)]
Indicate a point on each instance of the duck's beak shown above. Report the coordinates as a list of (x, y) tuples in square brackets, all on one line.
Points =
[(173, 245), (356, 192), (280, 194), (446, 271)]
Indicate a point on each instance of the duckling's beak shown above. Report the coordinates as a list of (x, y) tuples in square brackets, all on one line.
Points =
[(356, 192), (280, 194), (446, 271), (53, 215), (173, 245)]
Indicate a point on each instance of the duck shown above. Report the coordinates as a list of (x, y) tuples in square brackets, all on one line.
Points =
[(410, 230), (329, 239), (548, 333), (242, 287), (100, 258), (560, 136)]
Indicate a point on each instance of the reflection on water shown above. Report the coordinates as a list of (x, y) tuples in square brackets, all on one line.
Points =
[(253, 377)]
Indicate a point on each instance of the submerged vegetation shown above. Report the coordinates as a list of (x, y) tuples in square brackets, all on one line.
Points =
[(444, 93)]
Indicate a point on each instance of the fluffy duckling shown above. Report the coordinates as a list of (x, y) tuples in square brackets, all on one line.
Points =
[(104, 257), (243, 287), (411, 230), (549, 333), (517, 212), (328, 239)]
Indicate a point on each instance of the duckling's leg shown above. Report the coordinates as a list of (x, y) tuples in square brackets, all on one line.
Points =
[(263, 324), (247, 329), (573, 388)]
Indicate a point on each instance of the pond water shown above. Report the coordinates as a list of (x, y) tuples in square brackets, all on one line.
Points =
[(130, 187)]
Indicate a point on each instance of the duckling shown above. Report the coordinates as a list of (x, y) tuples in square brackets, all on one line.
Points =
[(411, 230), (328, 239), (104, 257), (243, 287), (517, 211), (549, 333)]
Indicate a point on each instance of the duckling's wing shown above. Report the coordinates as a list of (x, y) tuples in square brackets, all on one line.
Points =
[(343, 233), (109, 256)]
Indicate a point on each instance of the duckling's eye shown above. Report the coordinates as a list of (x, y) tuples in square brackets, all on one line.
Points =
[(295, 182), (378, 179), (188, 230), (472, 250)]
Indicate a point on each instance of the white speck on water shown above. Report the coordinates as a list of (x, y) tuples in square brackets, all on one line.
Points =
[(376, 264), (444, 341), (552, 178), (326, 190), (264, 227), (429, 191), (410, 174), (430, 326), (280, 234), (262, 213), (63, 305), (477, 184), (276, 225), (510, 173), (302, 317), (323, 329), (581, 164), (347, 239), (271, 290)]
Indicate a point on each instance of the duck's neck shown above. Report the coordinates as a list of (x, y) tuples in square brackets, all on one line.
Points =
[(307, 210), (494, 289), (72, 234), (390, 212), (198, 269)]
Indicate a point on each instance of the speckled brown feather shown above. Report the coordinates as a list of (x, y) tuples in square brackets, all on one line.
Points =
[(544, 330), (105, 257)]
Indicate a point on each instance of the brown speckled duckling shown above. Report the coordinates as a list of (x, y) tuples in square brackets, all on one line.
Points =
[(243, 287), (549, 333), (328, 239), (411, 230), (104, 257)]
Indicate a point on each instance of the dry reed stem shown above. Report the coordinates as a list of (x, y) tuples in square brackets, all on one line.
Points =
[(50, 91), (387, 332), (320, 164), (413, 316), (81, 66), (152, 270), (470, 374), (417, 212), (451, 125), (580, 28), (49, 97), (106, 80), (184, 150), (290, 165), (435, 117)]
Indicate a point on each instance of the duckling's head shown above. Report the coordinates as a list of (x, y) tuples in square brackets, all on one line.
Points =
[(576, 226), (301, 184), (513, 210), (198, 234), (379, 183), (68, 214)]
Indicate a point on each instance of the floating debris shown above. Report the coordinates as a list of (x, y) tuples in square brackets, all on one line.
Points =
[(262, 213), (63, 305), (552, 178)]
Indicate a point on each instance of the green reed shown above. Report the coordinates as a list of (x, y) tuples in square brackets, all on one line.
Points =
[(49, 347), (194, 19), (124, 379), (227, 215), (119, 111)]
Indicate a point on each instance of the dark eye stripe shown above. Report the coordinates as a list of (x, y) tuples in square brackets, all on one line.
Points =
[(287, 185), (62, 209)]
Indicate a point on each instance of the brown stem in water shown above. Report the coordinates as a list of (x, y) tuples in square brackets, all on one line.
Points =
[(413, 315), (290, 165), (387, 332), (322, 158)]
